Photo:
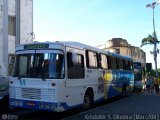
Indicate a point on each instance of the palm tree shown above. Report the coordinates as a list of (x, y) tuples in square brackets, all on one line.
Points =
[(152, 40)]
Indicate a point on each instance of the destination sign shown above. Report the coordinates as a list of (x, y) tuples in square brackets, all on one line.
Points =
[(36, 46)]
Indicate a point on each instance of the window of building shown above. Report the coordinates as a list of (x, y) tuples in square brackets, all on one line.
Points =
[(12, 25), (117, 50)]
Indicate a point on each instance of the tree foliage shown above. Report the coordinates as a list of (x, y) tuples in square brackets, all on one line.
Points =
[(149, 40)]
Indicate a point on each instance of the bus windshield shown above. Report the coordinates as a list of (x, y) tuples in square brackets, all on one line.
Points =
[(40, 65), (137, 73)]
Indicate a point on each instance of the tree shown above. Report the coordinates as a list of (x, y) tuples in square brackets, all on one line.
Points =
[(152, 40)]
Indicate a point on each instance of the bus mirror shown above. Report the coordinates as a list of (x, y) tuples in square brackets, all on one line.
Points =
[(74, 58)]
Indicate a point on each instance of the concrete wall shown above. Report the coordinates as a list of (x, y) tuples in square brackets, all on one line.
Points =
[(4, 69), (11, 39), (11, 7), (7, 42), (1, 34), (26, 21)]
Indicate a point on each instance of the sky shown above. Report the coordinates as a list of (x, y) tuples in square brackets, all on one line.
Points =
[(93, 22)]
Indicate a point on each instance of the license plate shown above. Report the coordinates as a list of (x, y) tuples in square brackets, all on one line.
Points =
[(32, 104)]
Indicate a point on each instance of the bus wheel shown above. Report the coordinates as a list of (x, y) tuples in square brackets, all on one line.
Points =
[(87, 102)]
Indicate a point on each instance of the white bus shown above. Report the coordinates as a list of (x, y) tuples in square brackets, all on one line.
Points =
[(58, 76)]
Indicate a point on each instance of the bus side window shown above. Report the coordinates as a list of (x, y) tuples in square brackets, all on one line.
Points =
[(76, 68), (117, 63), (130, 65), (69, 60), (109, 62), (103, 61), (113, 63), (92, 59), (124, 64), (120, 64)]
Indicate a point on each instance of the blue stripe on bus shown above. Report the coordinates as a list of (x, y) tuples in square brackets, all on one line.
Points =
[(50, 106), (113, 92), (39, 105)]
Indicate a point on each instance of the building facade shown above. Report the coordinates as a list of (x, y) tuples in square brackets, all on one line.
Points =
[(121, 46), (16, 27)]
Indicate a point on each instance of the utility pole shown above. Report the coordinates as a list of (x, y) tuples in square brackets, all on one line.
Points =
[(154, 37)]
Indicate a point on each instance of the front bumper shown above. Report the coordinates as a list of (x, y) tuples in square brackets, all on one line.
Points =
[(57, 107)]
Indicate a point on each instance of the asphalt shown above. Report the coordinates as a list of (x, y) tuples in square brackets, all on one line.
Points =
[(138, 106)]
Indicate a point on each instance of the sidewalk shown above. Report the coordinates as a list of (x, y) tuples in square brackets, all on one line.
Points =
[(153, 93)]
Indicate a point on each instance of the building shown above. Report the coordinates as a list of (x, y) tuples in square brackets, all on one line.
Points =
[(16, 27), (121, 46)]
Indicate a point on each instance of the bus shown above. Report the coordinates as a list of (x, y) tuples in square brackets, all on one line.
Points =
[(138, 76), (57, 76)]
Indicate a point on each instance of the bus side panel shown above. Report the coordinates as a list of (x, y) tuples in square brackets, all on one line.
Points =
[(114, 80)]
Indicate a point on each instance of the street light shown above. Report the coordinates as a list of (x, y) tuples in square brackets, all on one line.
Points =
[(155, 50)]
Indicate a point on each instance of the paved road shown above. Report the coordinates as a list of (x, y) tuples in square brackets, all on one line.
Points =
[(138, 107)]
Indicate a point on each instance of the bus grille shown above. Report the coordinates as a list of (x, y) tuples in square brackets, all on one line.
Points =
[(31, 93)]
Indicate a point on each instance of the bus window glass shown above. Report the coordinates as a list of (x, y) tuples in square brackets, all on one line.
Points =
[(38, 65), (75, 69), (109, 62), (130, 65), (120, 62), (92, 60), (104, 62), (23, 65), (125, 67), (113, 63)]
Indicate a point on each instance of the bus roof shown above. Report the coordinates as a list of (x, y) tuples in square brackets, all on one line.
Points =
[(74, 45)]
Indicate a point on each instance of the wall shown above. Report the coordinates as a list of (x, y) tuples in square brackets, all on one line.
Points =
[(1, 35), (26, 21), (11, 39), (7, 42)]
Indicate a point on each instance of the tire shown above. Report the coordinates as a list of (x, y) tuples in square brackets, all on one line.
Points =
[(88, 101)]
